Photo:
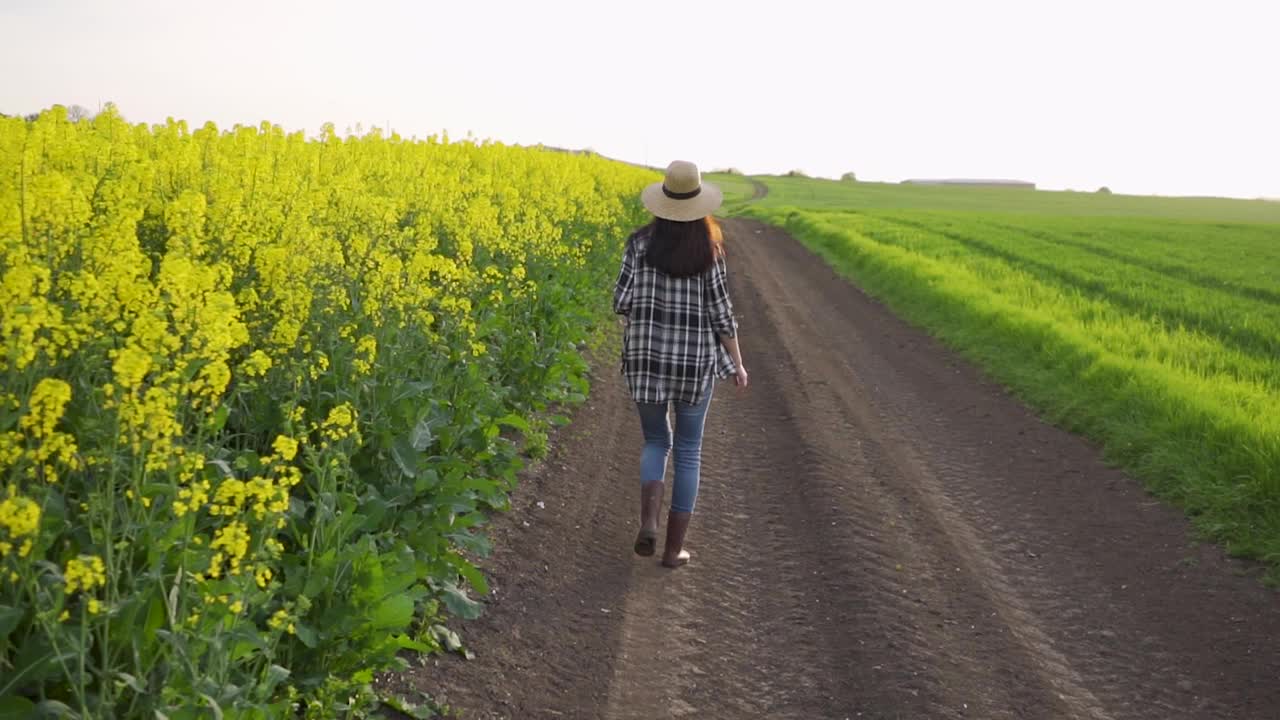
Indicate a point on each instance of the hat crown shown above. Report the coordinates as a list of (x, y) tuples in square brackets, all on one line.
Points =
[(682, 177), (681, 196)]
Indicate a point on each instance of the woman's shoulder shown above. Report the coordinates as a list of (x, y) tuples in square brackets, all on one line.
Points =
[(640, 237), (644, 231)]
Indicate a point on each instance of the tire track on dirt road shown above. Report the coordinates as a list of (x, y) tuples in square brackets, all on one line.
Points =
[(881, 533)]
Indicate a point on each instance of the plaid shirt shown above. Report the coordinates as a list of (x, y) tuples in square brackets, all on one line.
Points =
[(670, 349)]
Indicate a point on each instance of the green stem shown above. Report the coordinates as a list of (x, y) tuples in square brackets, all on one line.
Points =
[(113, 573), (84, 636), (57, 653)]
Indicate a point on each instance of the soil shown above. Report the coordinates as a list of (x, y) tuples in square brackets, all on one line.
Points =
[(881, 532)]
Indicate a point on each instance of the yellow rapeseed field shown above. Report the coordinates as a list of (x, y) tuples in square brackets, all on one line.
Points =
[(253, 390)]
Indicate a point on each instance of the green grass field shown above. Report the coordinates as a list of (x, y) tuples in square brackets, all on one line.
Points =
[(737, 188), (1151, 325), (833, 194)]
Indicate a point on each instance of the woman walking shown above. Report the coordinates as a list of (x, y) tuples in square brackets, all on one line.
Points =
[(680, 336)]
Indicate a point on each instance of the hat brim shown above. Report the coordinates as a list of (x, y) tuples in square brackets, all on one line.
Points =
[(701, 205)]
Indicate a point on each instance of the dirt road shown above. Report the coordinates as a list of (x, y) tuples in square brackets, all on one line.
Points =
[(881, 533)]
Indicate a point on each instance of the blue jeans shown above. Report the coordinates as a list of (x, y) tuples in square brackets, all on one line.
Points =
[(688, 447)]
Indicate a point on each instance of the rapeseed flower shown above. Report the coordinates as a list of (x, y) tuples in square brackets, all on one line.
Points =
[(366, 352), (47, 447), (286, 447), (19, 515), (282, 620), (257, 364), (340, 424), (233, 540), (84, 573)]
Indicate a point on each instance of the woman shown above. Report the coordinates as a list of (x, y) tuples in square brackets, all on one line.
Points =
[(680, 335)]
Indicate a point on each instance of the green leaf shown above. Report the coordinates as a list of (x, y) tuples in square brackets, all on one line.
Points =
[(406, 457), (427, 479), (213, 705), (447, 637), (193, 368), (243, 648), (37, 661), (394, 612), (514, 421), (276, 674), (475, 577), (9, 619), (322, 572), (459, 604), (421, 438), (412, 389), (421, 712), (374, 509), (130, 681), (16, 708), (306, 635), (227, 471), (414, 710), (156, 616), (217, 420), (54, 709), (475, 543), (405, 642), (8, 417)]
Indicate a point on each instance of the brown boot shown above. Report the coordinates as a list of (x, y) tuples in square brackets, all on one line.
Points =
[(674, 555), (650, 510)]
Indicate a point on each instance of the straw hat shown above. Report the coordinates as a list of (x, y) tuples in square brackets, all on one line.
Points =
[(682, 195)]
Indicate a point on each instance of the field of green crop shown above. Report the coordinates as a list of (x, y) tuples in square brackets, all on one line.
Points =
[(1151, 325), (737, 188), (837, 195)]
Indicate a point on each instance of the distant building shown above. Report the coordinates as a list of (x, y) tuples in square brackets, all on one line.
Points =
[(970, 182)]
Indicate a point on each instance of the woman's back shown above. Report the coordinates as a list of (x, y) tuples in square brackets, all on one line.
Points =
[(670, 347)]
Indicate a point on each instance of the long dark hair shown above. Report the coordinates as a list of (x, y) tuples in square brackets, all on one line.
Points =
[(684, 249)]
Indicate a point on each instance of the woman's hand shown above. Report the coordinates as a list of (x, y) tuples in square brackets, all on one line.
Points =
[(730, 343)]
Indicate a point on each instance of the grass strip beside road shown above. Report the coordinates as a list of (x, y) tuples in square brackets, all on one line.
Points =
[(1209, 443)]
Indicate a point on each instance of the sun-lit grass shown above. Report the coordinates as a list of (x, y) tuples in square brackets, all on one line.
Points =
[(1157, 335), (833, 194), (737, 188)]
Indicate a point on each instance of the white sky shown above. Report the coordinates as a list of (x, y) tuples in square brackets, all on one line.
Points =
[(1159, 96)]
